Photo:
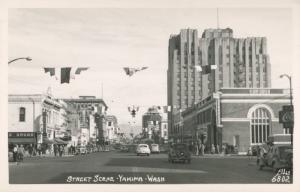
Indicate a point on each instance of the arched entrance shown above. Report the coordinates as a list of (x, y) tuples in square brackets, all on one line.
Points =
[(260, 117)]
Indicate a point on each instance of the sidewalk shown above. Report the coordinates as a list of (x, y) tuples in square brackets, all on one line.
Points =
[(222, 156)]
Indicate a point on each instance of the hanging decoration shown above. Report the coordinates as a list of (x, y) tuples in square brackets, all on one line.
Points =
[(65, 73), (130, 71)]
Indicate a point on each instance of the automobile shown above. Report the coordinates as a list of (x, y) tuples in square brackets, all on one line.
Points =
[(82, 150), (155, 148), (179, 152), (124, 148), (143, 149), (276, 157)]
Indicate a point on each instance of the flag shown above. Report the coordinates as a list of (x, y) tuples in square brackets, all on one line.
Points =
[(169, 108), (65, 75), (79, 69), (144, 68), (198, 68), (213, 67), (50, 69), (206, 69), (165, 109), (131, 71)]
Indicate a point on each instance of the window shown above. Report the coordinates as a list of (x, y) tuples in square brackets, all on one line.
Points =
[(109, 123), (22, 114), (260, 125)]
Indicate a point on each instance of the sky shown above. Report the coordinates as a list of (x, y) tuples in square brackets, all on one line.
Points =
[(108, 39)]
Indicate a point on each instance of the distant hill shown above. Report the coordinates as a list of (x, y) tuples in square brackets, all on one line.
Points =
[(125, 128)]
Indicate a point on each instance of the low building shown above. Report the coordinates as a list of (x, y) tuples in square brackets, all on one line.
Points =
[(32, 118), (238, 117)]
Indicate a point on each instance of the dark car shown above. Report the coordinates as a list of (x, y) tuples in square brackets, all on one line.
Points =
[(277, 157), (179, 153)]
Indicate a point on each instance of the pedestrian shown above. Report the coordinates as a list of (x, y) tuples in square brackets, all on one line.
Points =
[(15, 153), (213, 149), (30, 150), (55, 149), (61, 150), (20, 154), (249, 151), (39, 149), (202, 148), (223, 149), (217, 149)]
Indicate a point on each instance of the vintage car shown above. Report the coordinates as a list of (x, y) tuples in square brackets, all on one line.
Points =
[(179, 152), (82, 150), (155, 148), (277, 153), (277, 157), (143, 149)]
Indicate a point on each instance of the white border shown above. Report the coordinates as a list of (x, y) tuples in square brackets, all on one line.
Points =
[(4, 5)]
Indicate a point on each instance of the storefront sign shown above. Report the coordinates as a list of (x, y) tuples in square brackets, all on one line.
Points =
[(21, 134)]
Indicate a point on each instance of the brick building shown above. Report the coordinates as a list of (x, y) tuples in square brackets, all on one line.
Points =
[(240, 117)]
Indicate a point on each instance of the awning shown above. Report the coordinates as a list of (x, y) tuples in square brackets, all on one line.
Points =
[(47, 141), (59, 141), (22, 140)]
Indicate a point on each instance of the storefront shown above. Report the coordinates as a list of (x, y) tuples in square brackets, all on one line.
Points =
[(21, 138)]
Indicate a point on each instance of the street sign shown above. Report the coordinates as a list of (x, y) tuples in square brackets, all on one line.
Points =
[(286, 116)]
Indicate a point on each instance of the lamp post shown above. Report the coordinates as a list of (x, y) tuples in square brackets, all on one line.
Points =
[(290, 82), (26, 58), (291, 102)]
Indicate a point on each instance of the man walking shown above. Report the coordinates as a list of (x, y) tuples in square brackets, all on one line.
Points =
[(15, 153)]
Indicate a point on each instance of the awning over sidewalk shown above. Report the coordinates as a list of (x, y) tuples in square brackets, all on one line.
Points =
[(22, 140), (60, 141), (47, 141)]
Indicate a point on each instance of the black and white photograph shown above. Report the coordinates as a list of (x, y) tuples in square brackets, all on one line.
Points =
[(147, 96)]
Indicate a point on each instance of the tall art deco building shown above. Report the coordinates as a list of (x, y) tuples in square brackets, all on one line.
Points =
[(239, 62)]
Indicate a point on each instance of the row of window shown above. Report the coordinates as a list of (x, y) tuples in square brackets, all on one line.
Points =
[(204, 116)]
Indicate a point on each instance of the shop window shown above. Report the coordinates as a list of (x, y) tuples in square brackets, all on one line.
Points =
[(22, 113)]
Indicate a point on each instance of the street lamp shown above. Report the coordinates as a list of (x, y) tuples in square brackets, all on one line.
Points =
[(291, 102), (290, 81), (26, 58)]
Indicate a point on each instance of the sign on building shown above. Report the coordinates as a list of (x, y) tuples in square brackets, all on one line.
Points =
[(286, 116)]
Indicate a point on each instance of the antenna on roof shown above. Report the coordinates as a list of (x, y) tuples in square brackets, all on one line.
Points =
[(218, 26)]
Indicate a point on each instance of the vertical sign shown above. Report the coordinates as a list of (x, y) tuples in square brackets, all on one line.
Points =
[(44, 123)]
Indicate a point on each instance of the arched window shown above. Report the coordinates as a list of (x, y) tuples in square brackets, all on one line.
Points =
[(260, 125), (22, 113)]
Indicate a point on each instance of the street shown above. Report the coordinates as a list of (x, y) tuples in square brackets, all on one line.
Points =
[(127, 168)]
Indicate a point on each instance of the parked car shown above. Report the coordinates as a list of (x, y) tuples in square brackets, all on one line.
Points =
[(179, 152), (155, 148), (276, 157), (143, 149)]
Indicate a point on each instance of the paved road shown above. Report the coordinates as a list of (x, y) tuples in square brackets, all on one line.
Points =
[(126, 168)]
